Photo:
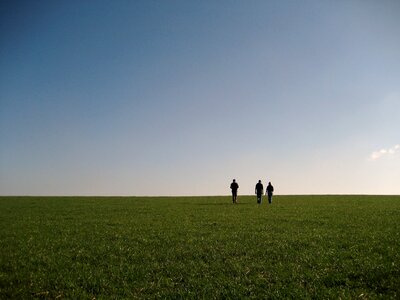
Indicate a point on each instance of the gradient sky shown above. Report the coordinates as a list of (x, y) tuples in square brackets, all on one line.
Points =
[(180, 97)]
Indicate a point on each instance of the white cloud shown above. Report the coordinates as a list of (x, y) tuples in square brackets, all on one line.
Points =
[(384, 152)]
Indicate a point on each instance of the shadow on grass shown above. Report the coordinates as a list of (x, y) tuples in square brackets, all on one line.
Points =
[(224, 204)]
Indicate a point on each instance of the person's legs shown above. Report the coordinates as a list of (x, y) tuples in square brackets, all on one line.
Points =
[(270, 199), (259, 198)]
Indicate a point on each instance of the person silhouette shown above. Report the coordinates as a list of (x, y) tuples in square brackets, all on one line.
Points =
[(259, 191), (269, 192), (234, 188)]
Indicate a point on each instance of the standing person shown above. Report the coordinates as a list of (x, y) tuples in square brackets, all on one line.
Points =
[(269, 192), (234, 188), (259, 191)]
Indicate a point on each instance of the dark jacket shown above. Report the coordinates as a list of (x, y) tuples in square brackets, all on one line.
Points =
[(270, 189), (234, 186), (259, 188)]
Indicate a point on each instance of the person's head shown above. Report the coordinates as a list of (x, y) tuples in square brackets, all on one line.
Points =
[(234, 180), (269, 183), (259, 181)]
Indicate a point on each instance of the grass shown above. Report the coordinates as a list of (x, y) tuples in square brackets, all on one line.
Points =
[(300, 247)]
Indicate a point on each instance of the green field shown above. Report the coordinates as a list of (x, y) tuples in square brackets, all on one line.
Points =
[(326, 247)]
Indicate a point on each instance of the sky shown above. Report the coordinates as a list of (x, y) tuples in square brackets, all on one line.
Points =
[(180, 97)]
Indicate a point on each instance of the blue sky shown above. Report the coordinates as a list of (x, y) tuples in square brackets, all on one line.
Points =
[(180, 97)]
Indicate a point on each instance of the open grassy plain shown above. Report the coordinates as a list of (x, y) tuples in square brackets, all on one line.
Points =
[(326, 247)]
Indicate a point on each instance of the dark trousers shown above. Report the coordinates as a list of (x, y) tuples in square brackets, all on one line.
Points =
[(270, 198), (234, 196), (259, 198)]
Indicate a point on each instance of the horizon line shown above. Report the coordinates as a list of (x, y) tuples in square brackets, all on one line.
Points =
[(191, 196)]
